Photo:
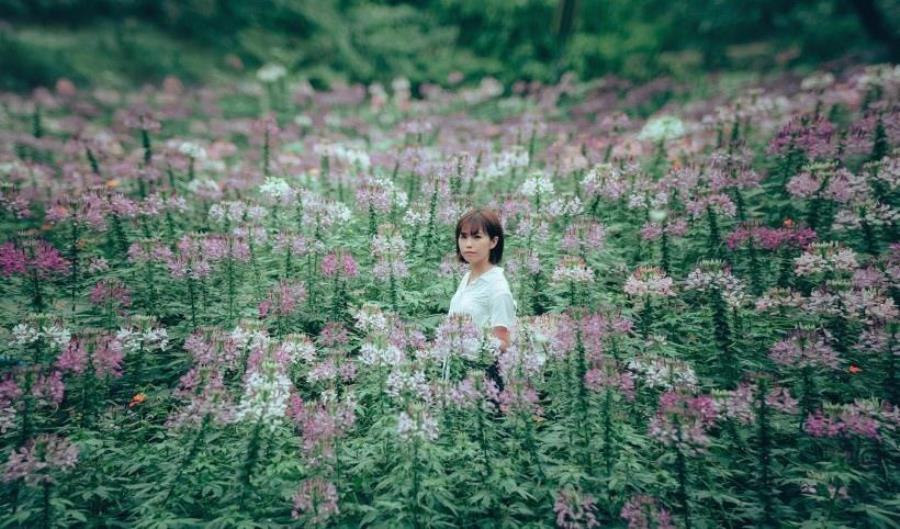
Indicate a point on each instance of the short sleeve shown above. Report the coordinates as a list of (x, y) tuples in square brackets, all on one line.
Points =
[(503, 310)]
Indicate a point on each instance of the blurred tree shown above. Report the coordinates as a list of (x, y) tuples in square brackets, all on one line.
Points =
[(366, 40)]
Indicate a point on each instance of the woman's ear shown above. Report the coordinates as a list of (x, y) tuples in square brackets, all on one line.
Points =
[(494, 241)]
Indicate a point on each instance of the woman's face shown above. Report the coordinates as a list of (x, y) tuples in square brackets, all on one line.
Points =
[(476, 247)]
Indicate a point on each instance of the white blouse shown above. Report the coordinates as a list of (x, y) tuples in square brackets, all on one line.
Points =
[(488, 300)]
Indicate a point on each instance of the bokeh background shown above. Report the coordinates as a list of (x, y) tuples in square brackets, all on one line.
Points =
[(123, 42)]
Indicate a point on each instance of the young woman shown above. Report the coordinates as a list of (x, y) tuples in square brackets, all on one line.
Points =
[(484, 292)]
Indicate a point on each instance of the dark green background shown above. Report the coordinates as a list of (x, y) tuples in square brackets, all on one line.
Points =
[(128, 41)]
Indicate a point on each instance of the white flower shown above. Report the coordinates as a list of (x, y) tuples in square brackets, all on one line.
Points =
[(265, 397), (300, 347), (339, 212), (538, 184), (276, 189), (58, 335), (661, 129), (203, 185), (193, 150), (25, 334), (425, 428), (271, 72)]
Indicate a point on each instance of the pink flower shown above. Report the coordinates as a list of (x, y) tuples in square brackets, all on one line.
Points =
[(317, 499), (330, 265), (73, 358), (40, 458), (49, 388), (643, 512), (12, 259), (110, 290), (695, 415), (283, 299), (575, 510), (107, 357), (804, 348), (333, 334)]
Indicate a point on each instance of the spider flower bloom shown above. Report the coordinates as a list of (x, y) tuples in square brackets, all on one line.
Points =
[(321, 424), (805, 348), (419, 425), (825, 257), (112, 291), (283, 299), (572, 269), (389, 251), (863, 418), (810, 135), (316, 499), (709, 277), (457, 335), (575, 510), (266, 394), (584, 235), (683, 421), (649, 281), (37, 255), (380, 194), (339, 263), (644, 512), (40, 459)]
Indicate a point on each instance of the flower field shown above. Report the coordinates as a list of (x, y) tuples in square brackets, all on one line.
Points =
[(225, 306)]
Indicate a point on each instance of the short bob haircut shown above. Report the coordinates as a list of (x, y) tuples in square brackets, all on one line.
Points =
[(487, 221)]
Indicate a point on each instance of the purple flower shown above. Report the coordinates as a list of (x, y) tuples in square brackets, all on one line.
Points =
[(107, 357), (804, 349), (811, 136), (45, 259), (110, 290), (575, 510), (683, 421), (49, 387), (40, 458), (333, 334), (73, 358), (12, 259), (644, 512), (317, 499)]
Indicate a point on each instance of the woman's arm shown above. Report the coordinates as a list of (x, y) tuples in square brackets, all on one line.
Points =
[(502, 333)]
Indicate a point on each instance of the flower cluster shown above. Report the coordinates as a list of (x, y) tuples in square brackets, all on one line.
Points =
[(712, 276), (40, 459), (771, 238), (575, 510), (683, 421), (38, 256), (863, 418), (644, 512), (572, 269), (389, 250), (283, 299), (457, 335), (538, 184), (805, 348), (316, 500), (740, 403), (649, 281), (662, 372), (825, 257), (417, 425), (380, 194)]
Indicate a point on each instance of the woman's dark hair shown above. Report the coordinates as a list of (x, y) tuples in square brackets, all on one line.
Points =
[(486, 220)]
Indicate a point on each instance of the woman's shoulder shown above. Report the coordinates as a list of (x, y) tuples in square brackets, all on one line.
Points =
[(499, 282)]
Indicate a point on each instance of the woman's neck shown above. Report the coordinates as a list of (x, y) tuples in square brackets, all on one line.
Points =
[(480, 268)]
